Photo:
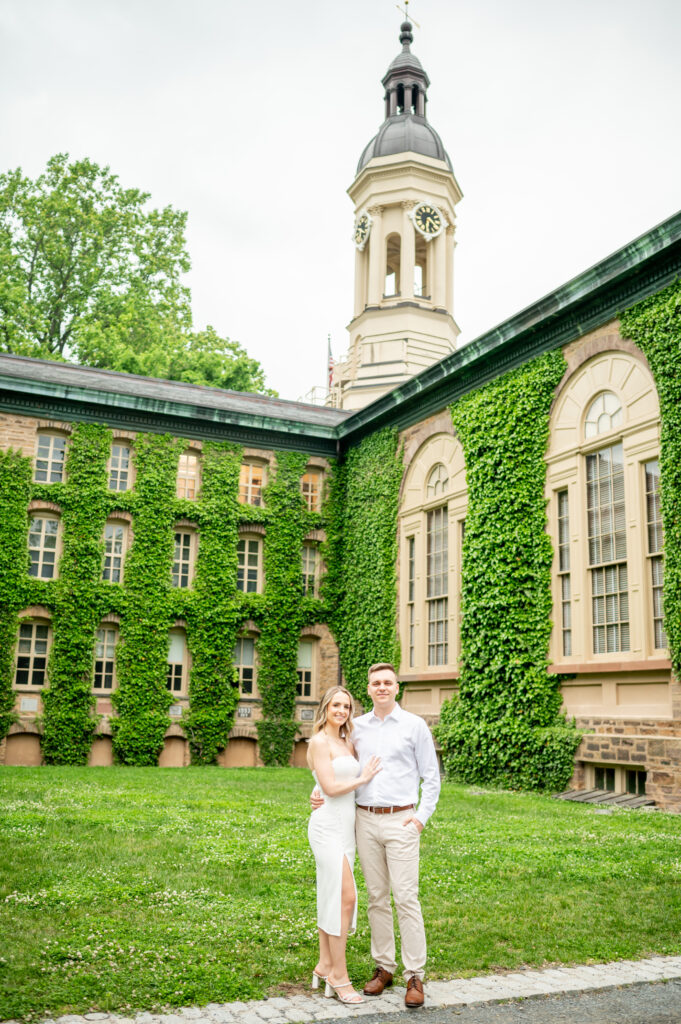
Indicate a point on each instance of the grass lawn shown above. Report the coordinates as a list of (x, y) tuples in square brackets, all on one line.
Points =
[(124, 889)]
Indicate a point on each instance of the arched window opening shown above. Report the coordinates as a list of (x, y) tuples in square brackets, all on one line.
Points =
[(438, 480), (176, 679), (252, 480), (50, 458), (188, 475), (604, 414), (306, 680), (43, 536), (246, 666), (249, 565), (105, 666), (400, 99), (32, 652), (184, 557), (311, 488), (115, 545), (392, 265), (120, 467), (414, 99), (311, 566), (420, 267)]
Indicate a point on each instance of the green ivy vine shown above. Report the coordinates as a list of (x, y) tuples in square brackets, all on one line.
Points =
[(146, 602), (282, 617), (68, 702), (655, 326), (15, 490), (141, 700), (505, 725), (361, 553), (215, 615)]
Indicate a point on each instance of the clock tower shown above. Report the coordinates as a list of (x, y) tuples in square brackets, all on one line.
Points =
[(404, 196)]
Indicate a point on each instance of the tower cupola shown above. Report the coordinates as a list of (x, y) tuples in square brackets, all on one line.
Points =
[(405, 128)]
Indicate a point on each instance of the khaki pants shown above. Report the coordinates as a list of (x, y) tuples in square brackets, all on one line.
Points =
[(389, 855)]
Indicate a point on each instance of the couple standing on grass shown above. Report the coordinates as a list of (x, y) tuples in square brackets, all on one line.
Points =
[(368, 771)]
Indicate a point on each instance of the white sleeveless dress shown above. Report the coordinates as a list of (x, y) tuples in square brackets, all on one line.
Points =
[(331, 832)]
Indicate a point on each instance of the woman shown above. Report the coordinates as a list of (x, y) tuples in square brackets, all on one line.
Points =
[(331, 832)]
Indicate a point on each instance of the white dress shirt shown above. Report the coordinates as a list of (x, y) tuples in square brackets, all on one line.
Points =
[(407, 752)]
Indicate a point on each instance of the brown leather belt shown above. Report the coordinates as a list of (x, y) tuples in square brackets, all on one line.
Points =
[(385, 810)]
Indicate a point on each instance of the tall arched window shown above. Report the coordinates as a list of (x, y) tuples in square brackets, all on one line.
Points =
[(602, 455), (432, 511)]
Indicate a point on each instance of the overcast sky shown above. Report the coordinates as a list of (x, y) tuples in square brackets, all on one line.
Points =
[(561, 120)]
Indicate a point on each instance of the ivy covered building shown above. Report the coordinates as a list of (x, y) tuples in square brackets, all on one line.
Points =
[(183, 570)]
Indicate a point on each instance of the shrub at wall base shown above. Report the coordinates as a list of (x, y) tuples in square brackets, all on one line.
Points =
[(505, 726)]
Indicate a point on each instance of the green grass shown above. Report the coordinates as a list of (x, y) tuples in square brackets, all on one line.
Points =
[(126, 889)]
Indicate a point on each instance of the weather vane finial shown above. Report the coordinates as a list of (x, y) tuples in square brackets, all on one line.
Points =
[(405, 12)]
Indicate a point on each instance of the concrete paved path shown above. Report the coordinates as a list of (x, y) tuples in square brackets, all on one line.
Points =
[(448, 996)]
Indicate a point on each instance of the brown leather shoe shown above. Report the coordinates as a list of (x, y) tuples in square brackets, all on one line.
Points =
[(381, 979), (414, 996)]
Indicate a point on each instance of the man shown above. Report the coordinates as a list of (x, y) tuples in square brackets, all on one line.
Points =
[(388, 828)]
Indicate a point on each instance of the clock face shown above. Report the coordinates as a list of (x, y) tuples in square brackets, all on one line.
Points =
[(427, 219), (362, 227)]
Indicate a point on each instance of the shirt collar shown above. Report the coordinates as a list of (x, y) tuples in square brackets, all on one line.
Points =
[(395, 714)]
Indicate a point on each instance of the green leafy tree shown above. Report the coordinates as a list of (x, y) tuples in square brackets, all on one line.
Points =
[(90, 273)]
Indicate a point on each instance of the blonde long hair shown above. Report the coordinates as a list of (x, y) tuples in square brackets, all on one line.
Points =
[(323, 713)]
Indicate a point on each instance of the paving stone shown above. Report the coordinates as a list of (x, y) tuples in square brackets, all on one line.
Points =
[(191, 1011), (96, 1016), (265, 1011), (298, 1014), (250, 1017), (279, 1002), (70, 1018)]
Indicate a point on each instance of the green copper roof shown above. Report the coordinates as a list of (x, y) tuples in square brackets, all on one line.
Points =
[(62, 391)]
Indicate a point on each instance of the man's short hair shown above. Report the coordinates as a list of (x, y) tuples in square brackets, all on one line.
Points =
[(379, 667)]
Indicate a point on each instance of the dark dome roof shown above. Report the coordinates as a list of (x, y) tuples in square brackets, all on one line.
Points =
[(405, 133)]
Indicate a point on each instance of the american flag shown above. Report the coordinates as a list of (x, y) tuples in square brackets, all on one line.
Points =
[(330, 356)]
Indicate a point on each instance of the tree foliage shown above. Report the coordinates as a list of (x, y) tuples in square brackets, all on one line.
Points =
[(90, 273)]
